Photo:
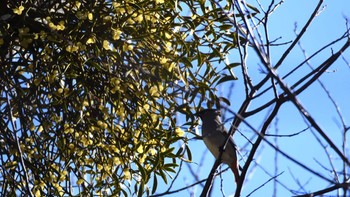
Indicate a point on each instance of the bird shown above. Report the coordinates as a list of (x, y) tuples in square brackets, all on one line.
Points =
[(214, 136)]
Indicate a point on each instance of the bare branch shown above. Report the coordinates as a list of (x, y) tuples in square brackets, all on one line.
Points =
[(255, 147), (262, 185), (178, 190), (24, 168), (346, 186), (311, 18)]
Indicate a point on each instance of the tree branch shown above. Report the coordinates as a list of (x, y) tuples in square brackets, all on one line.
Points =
[(323, 191)]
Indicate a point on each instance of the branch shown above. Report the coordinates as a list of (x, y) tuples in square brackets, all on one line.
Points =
[(262, 137), (323, 191), (18, 145), (255, 146), (345, 35), (316, 72), (286, 53), (262, 185), (300, 107), (178, 190), (209, 182), (320, 69)]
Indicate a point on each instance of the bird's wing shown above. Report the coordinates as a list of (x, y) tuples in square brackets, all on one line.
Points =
[(225, 133)]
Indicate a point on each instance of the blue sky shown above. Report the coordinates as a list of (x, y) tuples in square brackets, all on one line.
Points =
[(327, 26)]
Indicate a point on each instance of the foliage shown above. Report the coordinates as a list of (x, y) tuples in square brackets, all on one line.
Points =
[(90, 90)]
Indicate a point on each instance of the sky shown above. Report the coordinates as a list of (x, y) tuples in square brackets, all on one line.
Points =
[(327, 26)]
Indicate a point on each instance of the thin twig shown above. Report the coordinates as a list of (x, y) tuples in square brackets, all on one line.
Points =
[(255, 147), (345, 35), (262, 185), (18, 145), (303, 30), (287, 135), (326, 190), (179, 190)]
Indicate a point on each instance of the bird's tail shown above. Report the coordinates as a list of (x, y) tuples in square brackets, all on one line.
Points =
[(234, 168)]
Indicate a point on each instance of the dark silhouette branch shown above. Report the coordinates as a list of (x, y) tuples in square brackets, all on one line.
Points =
[(344, 36), (263, 138), (255, 147), (299, 106), (210, 179), (303, 30), (316, 72), (326, 190), (262, 185), (24, 168), (319, 70)]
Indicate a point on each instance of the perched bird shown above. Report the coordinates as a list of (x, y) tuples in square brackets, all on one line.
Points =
[(214, 136)]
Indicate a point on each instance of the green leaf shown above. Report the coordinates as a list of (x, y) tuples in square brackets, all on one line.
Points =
[(223, 99), (141, 188), (179, 152), (155, 184), (189, 154), (256, 10), (226, 78), (170, 167), (232, 65), (225, 27), (187, 63), (163, 175), (142, 171)]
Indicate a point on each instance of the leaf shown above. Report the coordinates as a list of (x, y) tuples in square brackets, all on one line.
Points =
[(182, 108), (170, 167), (140, 192), (232, 65), (200, 59), (256, 10), (186, 62), (226, 78), (225, 27), (168, 151), (189, 154), (216, 78), (124, 193), (155, 184), (142, 171), (193, 95), (180, 151), (163, 175), (223, 99)]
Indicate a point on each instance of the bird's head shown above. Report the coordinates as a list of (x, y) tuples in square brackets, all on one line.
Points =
[(207, 113)]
